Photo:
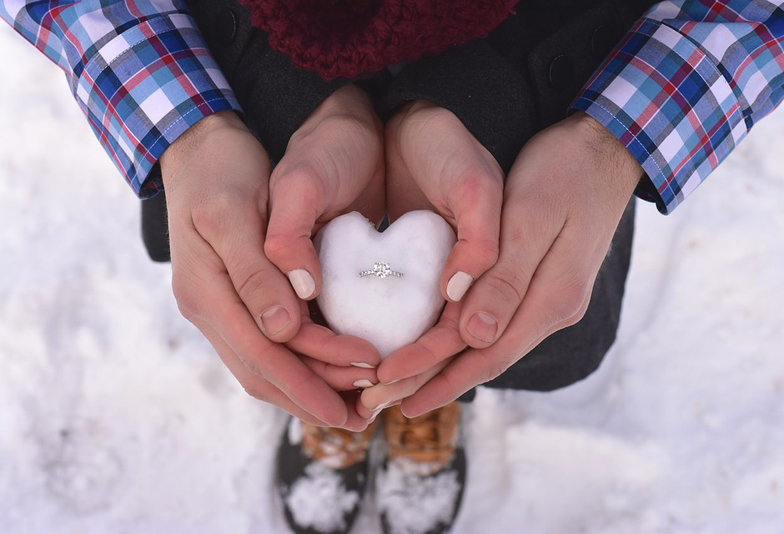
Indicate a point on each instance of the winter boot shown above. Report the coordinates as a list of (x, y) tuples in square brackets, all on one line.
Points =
[(322, 475), (419, 487)]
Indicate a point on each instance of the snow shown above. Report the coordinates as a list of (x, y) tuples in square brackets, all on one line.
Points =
[(414, 504), (417, 244), (319, 499), (116, 416)]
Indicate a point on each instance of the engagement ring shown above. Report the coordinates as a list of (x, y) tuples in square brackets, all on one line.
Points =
[(380, 270)]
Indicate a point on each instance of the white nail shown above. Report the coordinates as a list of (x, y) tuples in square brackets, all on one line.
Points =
[(363, 365), (458, 285), (302, 283), (382, 406), (364, 383)]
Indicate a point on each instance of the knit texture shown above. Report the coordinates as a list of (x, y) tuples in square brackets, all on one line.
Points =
[(345, 38)]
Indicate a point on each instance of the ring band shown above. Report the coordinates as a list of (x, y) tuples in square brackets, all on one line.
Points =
[(380, 269)]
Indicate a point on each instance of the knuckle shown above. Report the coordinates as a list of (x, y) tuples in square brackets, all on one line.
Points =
[(255, 391), (477, 185), (568, 306), (276, 246), (506, 284), (249, 281), (487, 250), (188, 301)]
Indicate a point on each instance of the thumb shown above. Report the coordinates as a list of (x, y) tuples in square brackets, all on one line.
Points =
[(476, 205), (294, 206)]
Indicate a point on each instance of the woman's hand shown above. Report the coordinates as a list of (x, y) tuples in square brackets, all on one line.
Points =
[(334, 164), (563, 200), (433, 162)]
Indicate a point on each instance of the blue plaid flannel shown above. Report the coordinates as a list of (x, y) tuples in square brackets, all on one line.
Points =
[(680, 91), (139, 69), (685, 86)]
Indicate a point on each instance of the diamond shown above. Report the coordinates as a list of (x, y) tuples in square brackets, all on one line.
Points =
[(381, 270)]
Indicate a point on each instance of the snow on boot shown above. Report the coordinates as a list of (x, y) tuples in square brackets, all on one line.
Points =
[(322, 474), (419, 487)]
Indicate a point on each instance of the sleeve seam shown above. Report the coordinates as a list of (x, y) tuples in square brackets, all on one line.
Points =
[(650, 156), (179, 119)]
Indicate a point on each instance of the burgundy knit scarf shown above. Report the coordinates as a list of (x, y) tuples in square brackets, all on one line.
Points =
[(338, 38)]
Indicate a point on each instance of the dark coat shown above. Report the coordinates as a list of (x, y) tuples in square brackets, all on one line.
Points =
[(504, 88)]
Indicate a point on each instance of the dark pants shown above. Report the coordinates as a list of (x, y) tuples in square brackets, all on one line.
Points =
[(503, 107)]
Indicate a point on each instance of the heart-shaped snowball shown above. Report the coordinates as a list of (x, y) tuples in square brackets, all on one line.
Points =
[(383, 286)]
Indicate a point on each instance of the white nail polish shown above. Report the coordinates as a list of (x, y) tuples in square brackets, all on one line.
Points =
[(364, 383), (382, 406), (458, 285), (363, 365), (302, 283)]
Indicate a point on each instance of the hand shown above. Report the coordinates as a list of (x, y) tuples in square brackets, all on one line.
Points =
[(433, 162), (563, 200), (217, 181), (334, 164)]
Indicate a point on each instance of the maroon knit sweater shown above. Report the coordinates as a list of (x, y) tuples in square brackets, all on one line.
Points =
[(344, 38)]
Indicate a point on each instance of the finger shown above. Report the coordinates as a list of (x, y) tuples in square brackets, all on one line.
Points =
[(383, 395), (321, 343), (354, 422), (296, 201), (237, 236), (527, 234), (476, 205), (434, 346), (229, 317), (342, 378), (253, 384), (371, 415), (557, 298)]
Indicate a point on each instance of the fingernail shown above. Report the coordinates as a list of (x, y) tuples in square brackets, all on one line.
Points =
[(393, 382), (363, 365), (375, 414), (382, 406), (275, 319), (363, 383), (483, 326), (302, 283), (458, 285)]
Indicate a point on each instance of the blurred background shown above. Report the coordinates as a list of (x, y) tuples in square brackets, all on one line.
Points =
[(116, 416)]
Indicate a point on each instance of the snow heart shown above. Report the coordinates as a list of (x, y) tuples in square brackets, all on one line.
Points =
[(383, 287)]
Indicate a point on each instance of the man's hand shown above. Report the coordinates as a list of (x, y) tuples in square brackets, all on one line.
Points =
[(217, 182), (563, 200)]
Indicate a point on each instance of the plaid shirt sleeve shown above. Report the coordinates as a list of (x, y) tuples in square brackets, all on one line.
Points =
[(685, 86), (139, 70)]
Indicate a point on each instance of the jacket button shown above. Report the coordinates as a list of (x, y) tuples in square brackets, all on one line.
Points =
[(226, 25), (560, 73), (602, 40)]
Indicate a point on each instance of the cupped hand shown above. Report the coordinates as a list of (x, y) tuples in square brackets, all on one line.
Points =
[(433, 162), (216, 177), (563, 200), (334, 164)]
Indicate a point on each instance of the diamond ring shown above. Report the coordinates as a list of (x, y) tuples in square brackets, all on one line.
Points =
[(380, 270)]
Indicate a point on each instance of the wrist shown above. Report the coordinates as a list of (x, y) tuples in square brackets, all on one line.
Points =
[(202, 132), (609, 149)]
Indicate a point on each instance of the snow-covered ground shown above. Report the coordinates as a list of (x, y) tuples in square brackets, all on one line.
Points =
[(116, 417)]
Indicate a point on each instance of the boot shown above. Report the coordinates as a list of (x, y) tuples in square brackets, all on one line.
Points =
[(419, 487), (322, 475)]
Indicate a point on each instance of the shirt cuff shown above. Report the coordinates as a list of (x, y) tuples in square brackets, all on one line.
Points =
[(669, 104), (146, 86)]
